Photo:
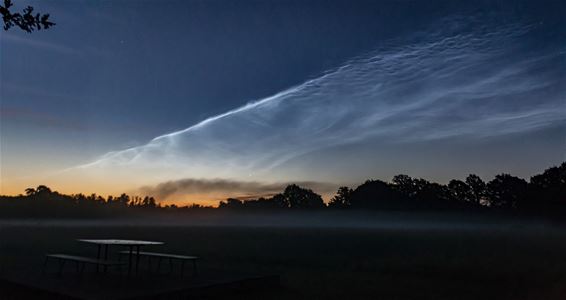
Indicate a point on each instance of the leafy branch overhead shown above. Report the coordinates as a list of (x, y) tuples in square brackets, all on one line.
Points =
[(26, 20)]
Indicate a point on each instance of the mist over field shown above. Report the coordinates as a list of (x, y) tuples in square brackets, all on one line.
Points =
[(259, 149)]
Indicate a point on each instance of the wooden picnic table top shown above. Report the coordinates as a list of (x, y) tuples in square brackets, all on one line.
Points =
[(120, 242)]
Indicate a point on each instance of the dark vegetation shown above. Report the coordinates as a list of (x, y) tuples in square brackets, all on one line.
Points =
[(26, 20), (544, 194)]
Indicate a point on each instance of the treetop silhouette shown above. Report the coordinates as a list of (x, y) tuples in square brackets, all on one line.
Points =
[(25, 20), (544, 194)]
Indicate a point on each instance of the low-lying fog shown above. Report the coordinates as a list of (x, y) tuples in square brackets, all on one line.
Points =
[(383, 221)]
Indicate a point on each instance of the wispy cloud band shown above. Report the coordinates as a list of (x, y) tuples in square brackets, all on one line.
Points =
[(449, 82)]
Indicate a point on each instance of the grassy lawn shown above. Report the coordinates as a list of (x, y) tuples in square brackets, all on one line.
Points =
[(333, 263)]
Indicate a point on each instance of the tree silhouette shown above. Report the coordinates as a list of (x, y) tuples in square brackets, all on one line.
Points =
[(342, 199), (376, 194), (544, 195), (460, 191), (478, 188), (231, 203), (295, 196), (123, 200), (26, 20), (149, 202), (42, 191), (547, 191), (430, 192), (404, 184), (420, 189), (506, 191), (273, 203), (551, 185), (30, 191)]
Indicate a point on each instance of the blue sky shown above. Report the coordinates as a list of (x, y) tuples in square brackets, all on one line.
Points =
[(336, 92)]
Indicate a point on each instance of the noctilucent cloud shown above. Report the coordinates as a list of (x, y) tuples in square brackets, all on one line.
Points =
[(471, 90)]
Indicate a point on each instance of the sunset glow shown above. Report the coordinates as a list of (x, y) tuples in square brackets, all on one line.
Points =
[(106, 109)]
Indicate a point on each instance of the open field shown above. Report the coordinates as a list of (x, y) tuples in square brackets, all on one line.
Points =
[(450, 262)]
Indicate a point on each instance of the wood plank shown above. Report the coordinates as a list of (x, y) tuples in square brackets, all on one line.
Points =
[(85, 259), (164, 255)]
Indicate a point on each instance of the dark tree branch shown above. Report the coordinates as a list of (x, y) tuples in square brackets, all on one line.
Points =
[(26, 20)]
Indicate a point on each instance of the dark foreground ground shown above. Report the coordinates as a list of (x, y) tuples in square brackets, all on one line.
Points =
[(504, 261)]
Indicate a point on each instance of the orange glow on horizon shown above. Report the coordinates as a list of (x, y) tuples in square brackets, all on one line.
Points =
[(205, 199)]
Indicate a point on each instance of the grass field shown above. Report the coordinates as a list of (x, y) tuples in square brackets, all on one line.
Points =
[(450, 262)]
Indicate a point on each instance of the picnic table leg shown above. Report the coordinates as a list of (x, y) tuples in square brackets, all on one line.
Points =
[(105, 257), (61, 264), (182, 267), (137, 258), (130, 261), (158, 264), (80, 270), (121, 271), (195, 271), (44, 265), (98, 256)]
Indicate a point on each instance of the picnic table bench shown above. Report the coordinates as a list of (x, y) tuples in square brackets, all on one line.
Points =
[(133, 252), (80, 261), (169, 257), (133, 245)]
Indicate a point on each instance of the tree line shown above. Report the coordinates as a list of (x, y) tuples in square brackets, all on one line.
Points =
[(43, 202), (544, 193)]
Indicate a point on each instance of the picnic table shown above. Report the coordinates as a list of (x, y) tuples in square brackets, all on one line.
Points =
[(131, 244)]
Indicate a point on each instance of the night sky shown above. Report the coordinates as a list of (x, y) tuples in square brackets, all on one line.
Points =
[(199, 100)]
